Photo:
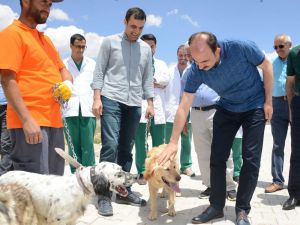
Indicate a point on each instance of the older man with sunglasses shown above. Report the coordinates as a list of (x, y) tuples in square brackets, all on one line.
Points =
[(280, 119)]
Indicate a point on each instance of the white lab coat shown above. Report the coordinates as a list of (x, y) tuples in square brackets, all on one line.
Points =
[(82, 92), (162, 78), (173, 93)]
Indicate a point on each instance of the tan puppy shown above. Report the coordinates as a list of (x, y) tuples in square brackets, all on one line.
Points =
[(166, 176), (16, 206)]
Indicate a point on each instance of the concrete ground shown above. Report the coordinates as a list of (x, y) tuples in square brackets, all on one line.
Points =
[(266, 208)]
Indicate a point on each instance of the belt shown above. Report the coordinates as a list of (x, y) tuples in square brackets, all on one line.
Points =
[(280, 97), (205, 108)]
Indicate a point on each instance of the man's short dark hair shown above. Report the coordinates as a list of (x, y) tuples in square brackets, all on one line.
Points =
[(212, 41), (137, 14), (180, 47), (149, 37), (78, 37)]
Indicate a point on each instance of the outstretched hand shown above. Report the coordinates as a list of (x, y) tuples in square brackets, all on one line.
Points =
[(168, 154)]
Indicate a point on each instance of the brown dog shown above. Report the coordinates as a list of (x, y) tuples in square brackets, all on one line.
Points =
[(16, 206), (166, 177)]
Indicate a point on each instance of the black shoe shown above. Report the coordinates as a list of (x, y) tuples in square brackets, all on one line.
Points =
[(242, 218), (141, 180), (236, 179), (291, 203), (231, 195), (206, 193), (209, 214), (104, 206), (130, 199)]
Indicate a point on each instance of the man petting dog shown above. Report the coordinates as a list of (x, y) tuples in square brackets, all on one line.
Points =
[(230, 68), (30, 66)]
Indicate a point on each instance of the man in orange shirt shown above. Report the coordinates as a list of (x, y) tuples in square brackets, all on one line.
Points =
[(30, 66)]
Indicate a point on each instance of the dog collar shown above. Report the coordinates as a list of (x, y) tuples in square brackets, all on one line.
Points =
[(80, 182)]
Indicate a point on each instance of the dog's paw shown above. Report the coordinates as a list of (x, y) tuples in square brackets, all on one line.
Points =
[(171, 212), (152, 216)]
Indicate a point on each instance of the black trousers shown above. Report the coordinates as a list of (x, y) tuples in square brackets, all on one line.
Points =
[(294, 178), (225, 126)]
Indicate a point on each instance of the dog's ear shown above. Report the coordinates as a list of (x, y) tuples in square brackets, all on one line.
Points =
[(150, 167), (101, 185)]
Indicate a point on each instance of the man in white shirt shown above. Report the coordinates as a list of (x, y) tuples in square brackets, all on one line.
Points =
[(157, 125), (80, 121)]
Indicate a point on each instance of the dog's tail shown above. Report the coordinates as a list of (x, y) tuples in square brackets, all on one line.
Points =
[(67, 157)]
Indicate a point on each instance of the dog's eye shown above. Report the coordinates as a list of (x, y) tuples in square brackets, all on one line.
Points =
[(167, 169)]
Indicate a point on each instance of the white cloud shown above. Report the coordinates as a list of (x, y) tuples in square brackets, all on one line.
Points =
[(7, 15), (172, 12), (270, 55), (190, 20), (153, 20), (58, 14), (60, 36)]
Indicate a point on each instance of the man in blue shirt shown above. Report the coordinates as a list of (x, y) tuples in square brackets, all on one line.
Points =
[(230, 69), (280, 118)]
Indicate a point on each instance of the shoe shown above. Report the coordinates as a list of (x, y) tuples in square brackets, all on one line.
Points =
[(291, 203), (141, 180), (231, 195), (242, 218), (209, 214), (236, 178), (130, 199), (104, 206), (189, 172), (273, 187), (205, 194)]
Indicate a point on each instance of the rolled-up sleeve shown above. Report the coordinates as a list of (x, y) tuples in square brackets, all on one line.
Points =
[(101, 65), (147, 82)]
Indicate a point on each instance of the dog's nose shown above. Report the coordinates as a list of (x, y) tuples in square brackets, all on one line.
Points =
[(178, 178)]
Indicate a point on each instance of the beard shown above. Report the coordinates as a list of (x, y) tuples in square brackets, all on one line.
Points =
[(38, 16)]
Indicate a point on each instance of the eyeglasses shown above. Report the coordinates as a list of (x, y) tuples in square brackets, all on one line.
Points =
[(278, 46), (80, 46)]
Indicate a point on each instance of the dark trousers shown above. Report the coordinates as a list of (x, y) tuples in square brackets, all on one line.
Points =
[(38, 158), (279, 125), (225, 126), (119, 123), (294, 178)]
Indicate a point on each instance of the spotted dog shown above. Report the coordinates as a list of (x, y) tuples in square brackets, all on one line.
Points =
[(61, 200), (16, 206)]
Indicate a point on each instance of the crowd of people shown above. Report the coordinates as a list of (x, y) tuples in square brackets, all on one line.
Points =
[(215, 92)]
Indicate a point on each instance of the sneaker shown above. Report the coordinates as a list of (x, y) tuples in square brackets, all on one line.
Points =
[(189, 172), (104, 206), (206, 193), (273, 187), (130, 199), (141, 180), (236, 179), (231, 195)]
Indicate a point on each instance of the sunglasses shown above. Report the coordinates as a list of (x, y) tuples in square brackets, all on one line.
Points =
[(278, 46), (80, 46)]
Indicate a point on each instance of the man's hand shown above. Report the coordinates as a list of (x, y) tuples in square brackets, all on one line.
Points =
[(168, 154), (268, 109), (97, 107), (63, 90), (32, 131)]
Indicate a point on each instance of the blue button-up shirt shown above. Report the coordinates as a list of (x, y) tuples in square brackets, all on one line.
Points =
[(235, 79), (279, 71)]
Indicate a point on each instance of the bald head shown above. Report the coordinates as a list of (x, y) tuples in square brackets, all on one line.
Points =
[(204, 50), (282, 45)]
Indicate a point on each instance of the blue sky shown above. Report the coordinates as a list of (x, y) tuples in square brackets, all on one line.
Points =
[(171, 21)]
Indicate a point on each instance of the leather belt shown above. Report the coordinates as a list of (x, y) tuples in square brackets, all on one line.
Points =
[(280, 97), (205, 108)]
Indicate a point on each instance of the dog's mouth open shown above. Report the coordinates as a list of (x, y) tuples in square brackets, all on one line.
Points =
[(121, 190), (173, 185)]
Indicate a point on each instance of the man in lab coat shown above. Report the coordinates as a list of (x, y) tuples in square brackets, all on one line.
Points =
[(80, 121)]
